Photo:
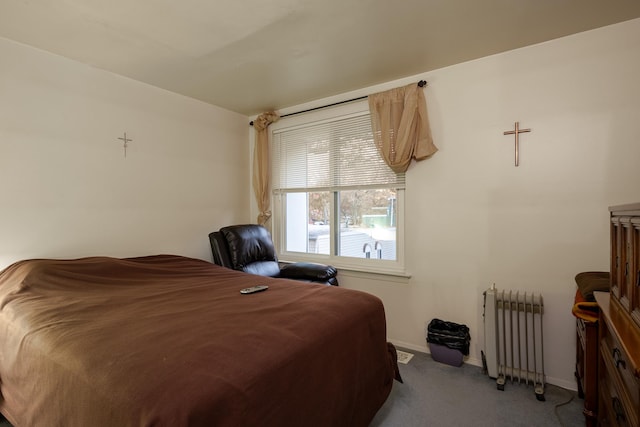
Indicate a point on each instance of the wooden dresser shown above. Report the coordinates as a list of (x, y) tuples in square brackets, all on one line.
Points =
[(619, 325), (587, 368)]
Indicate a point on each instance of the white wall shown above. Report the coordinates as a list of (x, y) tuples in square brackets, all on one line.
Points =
[(474, 219), (68, 191)]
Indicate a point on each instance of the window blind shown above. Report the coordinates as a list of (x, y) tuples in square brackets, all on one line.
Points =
[(330, 156)]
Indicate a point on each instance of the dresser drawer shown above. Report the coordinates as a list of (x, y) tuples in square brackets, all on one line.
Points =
[(619, 365), (614, 409)]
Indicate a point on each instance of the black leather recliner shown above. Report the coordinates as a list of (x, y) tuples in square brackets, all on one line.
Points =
[(249, 248)]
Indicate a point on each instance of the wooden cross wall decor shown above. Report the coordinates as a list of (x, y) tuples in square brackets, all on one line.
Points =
[(126, 142), (517, 131)]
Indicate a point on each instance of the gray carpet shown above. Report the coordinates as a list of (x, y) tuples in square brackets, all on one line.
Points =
[(436, 394)]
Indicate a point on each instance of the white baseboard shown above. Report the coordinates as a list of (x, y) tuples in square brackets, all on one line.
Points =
[(568, 385), (409, 346)]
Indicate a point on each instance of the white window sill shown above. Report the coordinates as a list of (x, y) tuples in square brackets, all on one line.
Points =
[(399, 277)]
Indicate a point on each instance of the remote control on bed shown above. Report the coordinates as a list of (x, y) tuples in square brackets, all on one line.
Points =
[(254, 289)]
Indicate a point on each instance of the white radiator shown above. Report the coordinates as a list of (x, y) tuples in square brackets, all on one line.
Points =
[(513, 338)]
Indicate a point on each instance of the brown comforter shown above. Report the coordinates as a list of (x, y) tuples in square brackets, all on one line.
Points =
[(170, 341)]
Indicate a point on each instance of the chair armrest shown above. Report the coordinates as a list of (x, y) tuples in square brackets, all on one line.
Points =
[(308, 271)]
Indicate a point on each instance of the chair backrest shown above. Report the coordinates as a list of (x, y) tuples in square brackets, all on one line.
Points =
[(246, 247), (219, 249)]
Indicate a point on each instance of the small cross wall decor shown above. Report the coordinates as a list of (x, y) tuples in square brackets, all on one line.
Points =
[(517, 131), (125, 143)]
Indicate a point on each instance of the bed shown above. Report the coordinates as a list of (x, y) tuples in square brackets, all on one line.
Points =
[(167, 340)]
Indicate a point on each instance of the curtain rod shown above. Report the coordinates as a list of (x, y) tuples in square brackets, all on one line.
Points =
[(421, 83)]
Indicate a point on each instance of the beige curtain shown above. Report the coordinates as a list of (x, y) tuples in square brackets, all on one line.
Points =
[(262, 165), (401, 126)]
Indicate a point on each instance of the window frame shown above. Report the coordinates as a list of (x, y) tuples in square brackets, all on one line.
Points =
[(278, 220)]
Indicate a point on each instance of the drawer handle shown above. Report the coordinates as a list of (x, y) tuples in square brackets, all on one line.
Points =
[(617, 408), (626, 268), (617, 357)]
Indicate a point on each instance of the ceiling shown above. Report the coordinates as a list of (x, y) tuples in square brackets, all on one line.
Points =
[(251, 56)]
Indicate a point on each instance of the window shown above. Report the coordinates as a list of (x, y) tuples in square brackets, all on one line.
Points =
[(335, 199)]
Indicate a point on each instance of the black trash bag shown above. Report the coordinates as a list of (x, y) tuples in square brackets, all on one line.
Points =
[(449, 334)]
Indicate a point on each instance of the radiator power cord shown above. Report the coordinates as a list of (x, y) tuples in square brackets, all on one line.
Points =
[(555, 409)]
